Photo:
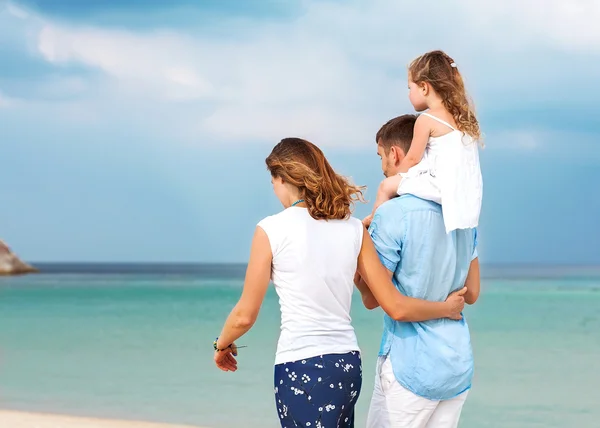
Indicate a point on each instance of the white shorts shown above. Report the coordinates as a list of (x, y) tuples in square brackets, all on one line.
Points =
[(394, 406)]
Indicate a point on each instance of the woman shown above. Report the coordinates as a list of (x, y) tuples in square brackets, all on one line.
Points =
[(312, 250)]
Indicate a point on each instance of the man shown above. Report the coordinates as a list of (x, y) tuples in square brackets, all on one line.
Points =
[(424, 369)]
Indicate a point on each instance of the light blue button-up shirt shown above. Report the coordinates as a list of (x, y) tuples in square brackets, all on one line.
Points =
[(433, 359)]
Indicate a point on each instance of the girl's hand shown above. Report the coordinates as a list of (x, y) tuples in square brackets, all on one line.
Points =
[(225, 359), (367, 220)]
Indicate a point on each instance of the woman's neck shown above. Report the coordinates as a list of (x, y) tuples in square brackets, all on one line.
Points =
[(296, 201)]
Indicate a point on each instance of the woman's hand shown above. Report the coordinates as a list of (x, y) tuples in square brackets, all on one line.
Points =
[(225, 359), (456, 303)]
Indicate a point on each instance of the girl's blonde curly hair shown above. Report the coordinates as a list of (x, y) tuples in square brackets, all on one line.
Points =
[(440, 71)]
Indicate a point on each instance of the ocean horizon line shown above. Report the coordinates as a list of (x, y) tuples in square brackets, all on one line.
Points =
[(237, 270), (196, 263)]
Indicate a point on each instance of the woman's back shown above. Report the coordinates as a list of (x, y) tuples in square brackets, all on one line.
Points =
[(314, 262)]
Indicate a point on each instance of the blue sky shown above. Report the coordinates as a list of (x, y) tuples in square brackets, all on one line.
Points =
[(137, 130)]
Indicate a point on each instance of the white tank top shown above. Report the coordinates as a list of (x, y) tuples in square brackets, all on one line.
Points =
[(450, 174), (314, 262)]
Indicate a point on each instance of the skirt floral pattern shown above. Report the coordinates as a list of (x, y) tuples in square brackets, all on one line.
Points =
[(318, 392)]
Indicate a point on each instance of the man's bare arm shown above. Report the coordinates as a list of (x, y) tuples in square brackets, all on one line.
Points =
[(473, 283)]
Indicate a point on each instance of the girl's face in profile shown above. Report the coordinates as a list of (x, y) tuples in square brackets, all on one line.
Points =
[(417, 94)]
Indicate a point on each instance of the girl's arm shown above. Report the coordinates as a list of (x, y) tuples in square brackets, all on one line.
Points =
[(386, 191), (258, 275), (394, 303), (421, 134)]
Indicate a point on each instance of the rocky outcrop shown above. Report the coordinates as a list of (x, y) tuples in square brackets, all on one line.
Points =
[(10, 263)]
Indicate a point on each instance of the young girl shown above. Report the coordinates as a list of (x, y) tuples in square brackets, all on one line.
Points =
[(442, 164)]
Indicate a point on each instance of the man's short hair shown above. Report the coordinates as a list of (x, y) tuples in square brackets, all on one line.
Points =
[(397, 132)]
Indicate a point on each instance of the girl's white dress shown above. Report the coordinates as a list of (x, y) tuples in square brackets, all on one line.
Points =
[(450, 175)]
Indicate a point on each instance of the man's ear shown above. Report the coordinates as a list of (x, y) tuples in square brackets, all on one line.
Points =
[(397, 155)]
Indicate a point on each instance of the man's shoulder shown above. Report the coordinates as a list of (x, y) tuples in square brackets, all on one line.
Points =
[(405, 204)]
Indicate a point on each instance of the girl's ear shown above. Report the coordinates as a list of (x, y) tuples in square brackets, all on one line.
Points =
[(424, 86)]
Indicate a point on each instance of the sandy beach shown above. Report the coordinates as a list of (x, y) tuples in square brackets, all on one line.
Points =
[(11, 419)]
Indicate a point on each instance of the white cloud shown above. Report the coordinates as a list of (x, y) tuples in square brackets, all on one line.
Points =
[(16, 11), (157, 62), (258, 89), (334, 74), (525, 140), (550, 144), (565, 25), (6, 102), (522, 140)]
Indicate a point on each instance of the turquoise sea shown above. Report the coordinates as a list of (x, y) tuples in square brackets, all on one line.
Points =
[(134, 342)]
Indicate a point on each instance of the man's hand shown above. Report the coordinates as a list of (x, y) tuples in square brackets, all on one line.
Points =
[(225, 359), (456, 303)]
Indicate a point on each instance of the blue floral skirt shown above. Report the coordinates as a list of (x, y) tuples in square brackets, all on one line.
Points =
[(319, 392)]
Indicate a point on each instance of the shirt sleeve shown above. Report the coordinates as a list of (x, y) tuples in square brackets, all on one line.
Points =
[(387, 232), (475, 254)]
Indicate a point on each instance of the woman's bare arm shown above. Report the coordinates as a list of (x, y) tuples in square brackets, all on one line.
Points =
[(368, 299), (258, 275), (394, 303)]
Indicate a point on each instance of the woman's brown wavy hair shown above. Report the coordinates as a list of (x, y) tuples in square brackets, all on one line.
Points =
[(327, 195), (441, 72)]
